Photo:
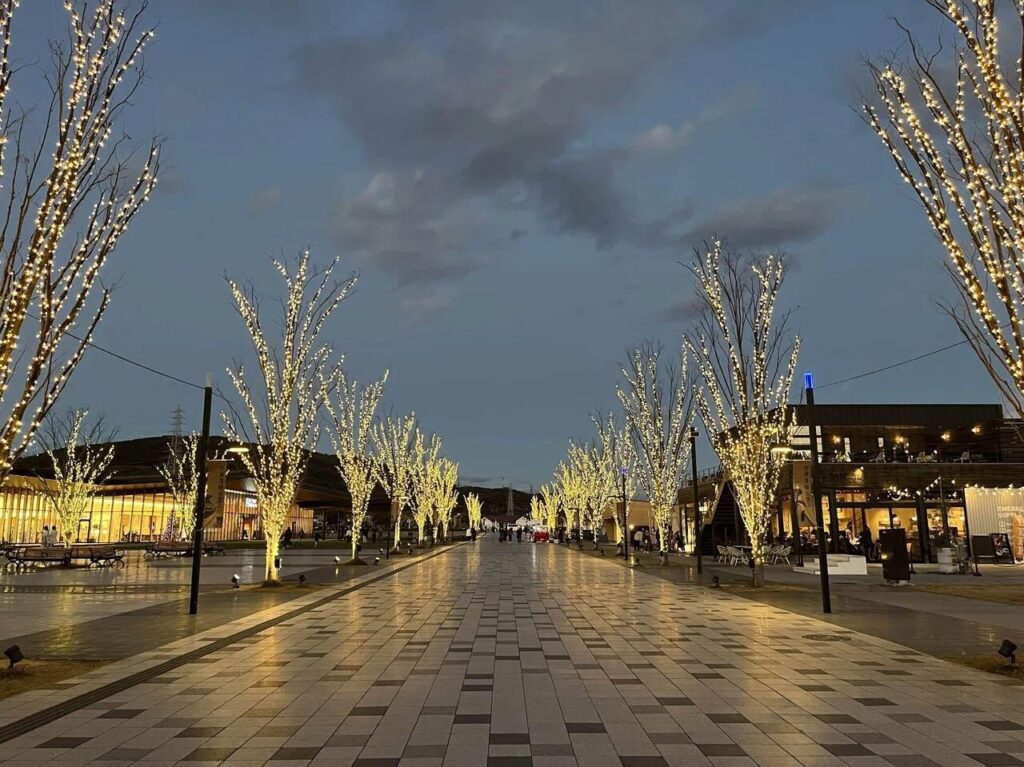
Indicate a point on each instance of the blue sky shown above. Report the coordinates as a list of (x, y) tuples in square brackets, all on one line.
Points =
[(516, 186)]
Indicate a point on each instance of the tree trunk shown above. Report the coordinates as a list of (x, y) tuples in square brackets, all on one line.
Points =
[(273, 576), (757, 574)]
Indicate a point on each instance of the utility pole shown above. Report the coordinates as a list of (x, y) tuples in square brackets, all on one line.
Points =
[(819, 517)]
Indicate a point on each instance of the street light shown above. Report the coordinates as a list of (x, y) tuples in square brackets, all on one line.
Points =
[(697, 522), (625, 516), (819, 518)]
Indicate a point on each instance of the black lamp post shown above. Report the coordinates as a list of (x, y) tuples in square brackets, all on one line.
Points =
[(698, 527), (200, 510), (625, 516), (819, 518)]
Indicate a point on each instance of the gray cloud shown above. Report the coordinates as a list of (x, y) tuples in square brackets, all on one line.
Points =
[(682, 311), (264, 200), (781, 217)]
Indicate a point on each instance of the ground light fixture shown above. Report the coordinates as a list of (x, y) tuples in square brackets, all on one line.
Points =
[(234, 581), (376, 560), (337, 560), (302, 579), (14, 655), (715, 583), (1008, 650)]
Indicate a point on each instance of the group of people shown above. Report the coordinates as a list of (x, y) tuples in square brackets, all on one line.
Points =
[(49, 536), (507, 532)]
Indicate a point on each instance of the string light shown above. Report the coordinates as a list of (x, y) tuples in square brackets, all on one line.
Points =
[(182, 477), (745, 362), (446, 478), (280, 422), (475, 509), (352, 412), (79, 465), (966, 168), (550, 502), (80, 191), (394, 440), (424, 481), (658, 406)]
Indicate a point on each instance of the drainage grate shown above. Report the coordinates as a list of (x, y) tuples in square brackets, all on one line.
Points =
[(826, 638)]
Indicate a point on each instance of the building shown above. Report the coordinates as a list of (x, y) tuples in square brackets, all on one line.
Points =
[(923, 468)]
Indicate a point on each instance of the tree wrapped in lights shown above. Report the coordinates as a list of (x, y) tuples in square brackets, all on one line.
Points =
[(424, 482), (958, 143), (279, 420), (658, 404), (596, 477), (352, 410), (182, 477), (745, 357), (79, 459), (474, 510), (536, 508), (550, 503), (617, 445), (394, 439), (569, 486), (71, 191), (446, 494)]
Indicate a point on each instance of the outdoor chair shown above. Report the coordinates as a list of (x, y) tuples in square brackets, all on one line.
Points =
[(736, 555), (965, 457), (782, 554), (723, 555)]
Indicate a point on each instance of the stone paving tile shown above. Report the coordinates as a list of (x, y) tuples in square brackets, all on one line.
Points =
[(513, 655)]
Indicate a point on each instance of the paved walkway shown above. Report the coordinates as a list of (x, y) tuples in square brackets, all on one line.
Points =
[(515, 654)]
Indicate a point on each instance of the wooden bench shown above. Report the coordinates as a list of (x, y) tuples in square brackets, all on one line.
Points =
[(105, 556), (214, 548), (20, 555), (167, 549)]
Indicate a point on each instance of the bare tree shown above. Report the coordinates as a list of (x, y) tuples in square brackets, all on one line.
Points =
[(617, 444), (278, 417), (71, 191), (958, 140), (658, 403), (180, 472), (80, 455), (745, 357), (352, 421)]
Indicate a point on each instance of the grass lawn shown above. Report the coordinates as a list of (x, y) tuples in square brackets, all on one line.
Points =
[(1004, 593), (37, 674), (991, 663)]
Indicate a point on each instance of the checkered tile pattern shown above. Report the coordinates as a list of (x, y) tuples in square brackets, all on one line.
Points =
[(520, 654)]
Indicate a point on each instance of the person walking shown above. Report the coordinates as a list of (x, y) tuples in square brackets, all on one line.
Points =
[(519, 535)]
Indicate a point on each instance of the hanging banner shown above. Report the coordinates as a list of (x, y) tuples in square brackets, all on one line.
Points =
[(216, 485)]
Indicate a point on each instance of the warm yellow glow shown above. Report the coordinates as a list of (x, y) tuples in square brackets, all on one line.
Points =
[(745, 363), (352, 411), (958, 145), (279, 420), (425, 481), (395, 444), (78, 466), (69, 200), (474, 510), (976, 430), (182, 478)]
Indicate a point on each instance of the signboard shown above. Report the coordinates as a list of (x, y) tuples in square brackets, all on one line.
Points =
[(1001, 547), (216, 484), (998, 510)]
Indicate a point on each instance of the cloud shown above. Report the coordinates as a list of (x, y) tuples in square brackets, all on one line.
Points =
[(682, 311), (663, 137), (264, 200), (781, 217), (426, 306)]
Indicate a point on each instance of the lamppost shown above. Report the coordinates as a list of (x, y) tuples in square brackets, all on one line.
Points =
[(697, 521), (819, 518), (625, 516)]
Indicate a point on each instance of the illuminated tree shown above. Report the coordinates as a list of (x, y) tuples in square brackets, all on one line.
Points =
[(536, 508), (395, 443), (596, 477), (79, 458), (279, 422), (446, 494), (550, 504), (618, 447), (424, 483), (352, 420), (182, 477), (570, 494), (474, 510), (958, 140), (658, 404), (745, 356), (71, 191)]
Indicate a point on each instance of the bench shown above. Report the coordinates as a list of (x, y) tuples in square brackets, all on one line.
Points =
[(20, 555), (167, 549), (105, 556), (214, 548)]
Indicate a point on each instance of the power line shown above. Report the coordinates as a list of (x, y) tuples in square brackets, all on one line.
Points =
[(907, 361)]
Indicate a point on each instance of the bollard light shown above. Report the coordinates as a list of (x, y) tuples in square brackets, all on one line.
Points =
[(234, 581), (302, 579), (14, 655), (1008, 650)]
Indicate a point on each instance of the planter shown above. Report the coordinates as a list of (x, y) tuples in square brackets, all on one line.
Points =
[(947, 561)]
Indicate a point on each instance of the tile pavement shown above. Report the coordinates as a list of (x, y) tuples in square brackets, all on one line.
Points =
[(516, 654)]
